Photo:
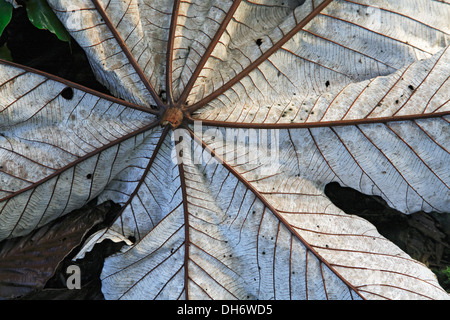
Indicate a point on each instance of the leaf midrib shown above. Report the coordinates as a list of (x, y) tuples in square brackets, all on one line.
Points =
[(81, 159)]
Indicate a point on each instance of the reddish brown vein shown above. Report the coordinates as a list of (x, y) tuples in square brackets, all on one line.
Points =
[(318, 124), (151, 270), (399, 14), (378, 33), (83, 158), (260, 59), (417, 155), (393, 165), (422, 82), (170, 48), (389, 271), (150, 253), (186, 230), (146, 171)]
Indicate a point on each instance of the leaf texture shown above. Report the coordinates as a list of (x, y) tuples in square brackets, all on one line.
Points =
[(353, 92), (28, 262)]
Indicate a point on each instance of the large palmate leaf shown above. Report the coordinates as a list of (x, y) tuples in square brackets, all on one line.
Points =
[(272, 101)]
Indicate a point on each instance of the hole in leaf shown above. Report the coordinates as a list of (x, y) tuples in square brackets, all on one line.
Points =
[(67, 93), (89, 176), (327, 84), (259, 42), (411, 87)]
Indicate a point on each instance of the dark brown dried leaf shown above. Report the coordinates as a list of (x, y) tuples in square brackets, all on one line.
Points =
[(28, 262)]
